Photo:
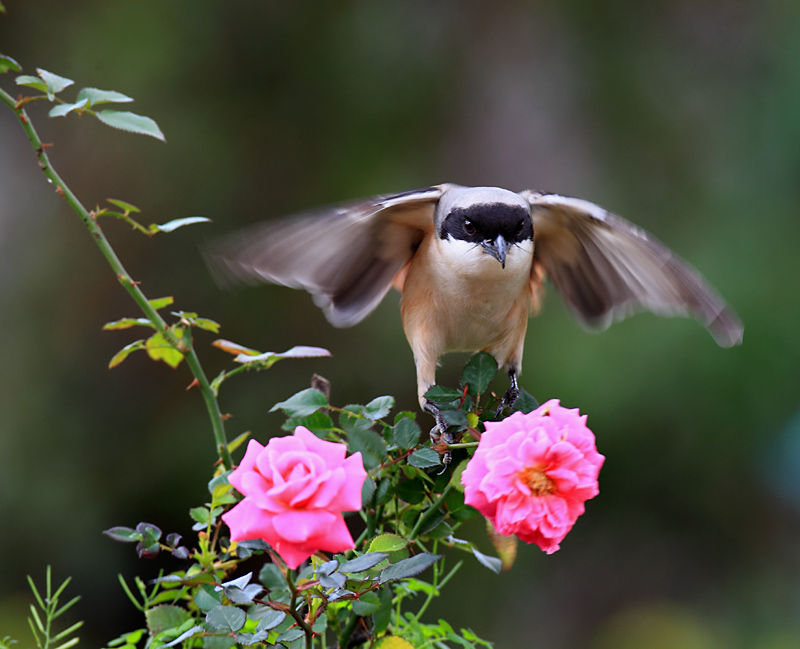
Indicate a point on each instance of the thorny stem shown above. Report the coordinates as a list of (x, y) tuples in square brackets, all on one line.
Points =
[(183, 344), (295, 613)]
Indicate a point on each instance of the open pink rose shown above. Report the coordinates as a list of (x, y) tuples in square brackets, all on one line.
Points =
[(532, 473), (295, 490)]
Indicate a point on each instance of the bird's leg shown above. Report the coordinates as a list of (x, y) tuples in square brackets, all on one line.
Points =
[(439, 433), (512, 394)]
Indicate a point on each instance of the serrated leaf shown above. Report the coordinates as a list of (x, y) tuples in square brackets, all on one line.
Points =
[(228, 618), (379, 407), (392, 642), (367, 604), (54, 82), (411, 491), (161, 302), (369, 444), (271, 577), (267, 618), (185, 635), (159, 349), (455, 418), (130, 122), (367, 492), (525, 403), (127, 323), (405, 433), (163, 617), (478, 373), (303, 403), (424, 458), (169, 226), (492, 563), (364, 562), (96, 96), (31, 82), (126, 351), (318, 423), (438, 394), (125, 207), (290, 636), (7, 64), (387, 543), (64, 109), (149, 531), (123, 534), (408, 567)]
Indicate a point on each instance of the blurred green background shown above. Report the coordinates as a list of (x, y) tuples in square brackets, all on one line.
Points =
[(681, 116)]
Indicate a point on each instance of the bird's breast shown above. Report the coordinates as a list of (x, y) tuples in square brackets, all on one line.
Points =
[(463, 298)]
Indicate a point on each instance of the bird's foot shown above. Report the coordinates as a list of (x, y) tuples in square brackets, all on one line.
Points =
[(439, 434), (508, 400)]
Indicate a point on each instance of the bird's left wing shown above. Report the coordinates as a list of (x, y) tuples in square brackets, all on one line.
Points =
[(606, 268), (346, 256)]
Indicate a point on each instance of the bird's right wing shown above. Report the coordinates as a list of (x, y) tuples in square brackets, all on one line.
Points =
[(606, 268), (345, 256)]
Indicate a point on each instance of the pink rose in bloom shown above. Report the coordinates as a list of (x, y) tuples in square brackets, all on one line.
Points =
[(295, 490), (531, 474)]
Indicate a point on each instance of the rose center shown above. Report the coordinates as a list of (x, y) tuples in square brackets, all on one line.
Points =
[(538, 481)]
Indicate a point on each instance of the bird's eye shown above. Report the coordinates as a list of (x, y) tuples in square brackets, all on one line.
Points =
[(469, 228), (520, 227)]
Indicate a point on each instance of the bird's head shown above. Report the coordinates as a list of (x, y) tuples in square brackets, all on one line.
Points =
[(494, 219)]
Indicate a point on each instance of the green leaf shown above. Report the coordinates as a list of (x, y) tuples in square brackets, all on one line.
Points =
[(234, 348), (63, 109), (125, 207), (96, 96), (31, 82), (525, 403), (379, 407), (123, 353), (127, 323), (492, 563), (166, 616), (130, 122), (408, 567), (369, 444), (424, 458), (161, 302), (367, 604), (271, 577), (367, 492), (123, 534), (6, 62), (455, 418), (387, 543), (229, 618), (179, 223), (290, 636), (438, 394), (317, 422), (267, 618), (405, 433), (54, 82), (411, 491), (362, 563), (159, 349), (303, 403), (478, 373)]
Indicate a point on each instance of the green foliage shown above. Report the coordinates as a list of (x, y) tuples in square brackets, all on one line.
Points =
[(411, 509), (46, 611)]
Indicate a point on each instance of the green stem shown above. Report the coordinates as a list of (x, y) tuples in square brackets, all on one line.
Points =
[(429, 513), (344, 640), (125, 279), (295, 613)]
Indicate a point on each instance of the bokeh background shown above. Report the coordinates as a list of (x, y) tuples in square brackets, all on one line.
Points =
[(681, 116)]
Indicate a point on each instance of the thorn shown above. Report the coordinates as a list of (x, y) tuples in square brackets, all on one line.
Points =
[(192, 384)]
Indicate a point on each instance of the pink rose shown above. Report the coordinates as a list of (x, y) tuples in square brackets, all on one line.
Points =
[(531, 474), (295, 490)]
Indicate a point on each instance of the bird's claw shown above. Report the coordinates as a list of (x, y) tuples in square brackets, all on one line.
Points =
[(508, 400)]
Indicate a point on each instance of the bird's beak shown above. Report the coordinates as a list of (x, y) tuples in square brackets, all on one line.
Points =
[(497, 249)]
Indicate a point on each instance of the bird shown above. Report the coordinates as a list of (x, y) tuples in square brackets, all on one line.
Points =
[(471, 264)]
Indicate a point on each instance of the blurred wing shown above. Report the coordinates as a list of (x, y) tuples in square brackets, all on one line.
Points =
[(606, 269), (346, 256)]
